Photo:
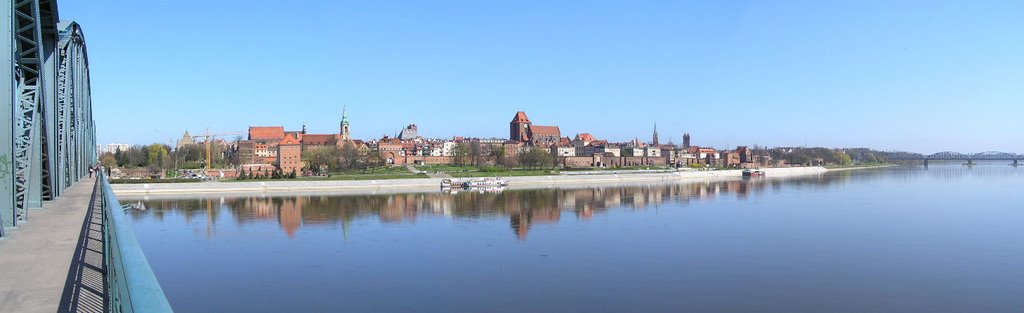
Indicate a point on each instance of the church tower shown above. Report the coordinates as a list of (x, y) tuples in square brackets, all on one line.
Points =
[(654, 140), (686, 140), (345, 134), (519, 128)]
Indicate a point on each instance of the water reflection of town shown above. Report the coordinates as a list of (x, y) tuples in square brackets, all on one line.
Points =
[(523, 208)]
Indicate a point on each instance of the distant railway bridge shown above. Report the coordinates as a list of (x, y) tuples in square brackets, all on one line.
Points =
[(969, 158)]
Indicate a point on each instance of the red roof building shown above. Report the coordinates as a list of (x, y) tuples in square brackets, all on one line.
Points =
[(521, 118), (289, 155), (317, 140), (289, 139), (587, 138), (545, 135), (521, 129), (275, 133)]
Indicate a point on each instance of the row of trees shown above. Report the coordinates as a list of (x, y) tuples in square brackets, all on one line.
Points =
[(484, 155), (161, 156), (275, 174), (812, 156), (324, 160)]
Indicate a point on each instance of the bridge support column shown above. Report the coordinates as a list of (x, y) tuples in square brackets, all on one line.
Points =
[(7, 178), (970, 162), (1015, 163), (925, 163)]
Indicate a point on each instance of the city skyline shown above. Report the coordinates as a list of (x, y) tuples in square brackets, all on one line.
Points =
[(907, 76)]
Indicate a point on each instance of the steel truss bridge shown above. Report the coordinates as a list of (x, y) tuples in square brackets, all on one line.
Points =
[(48, 143), (968, 157), (47, 136)]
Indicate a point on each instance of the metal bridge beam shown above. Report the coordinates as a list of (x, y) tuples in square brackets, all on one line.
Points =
[(7, 120), (47, 139)]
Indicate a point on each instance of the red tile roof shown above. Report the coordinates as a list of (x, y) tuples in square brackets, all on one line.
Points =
[(289, 139), (585, 137), (320, 139), (266, 132), (696, 149), (546, 130), (521, 118)]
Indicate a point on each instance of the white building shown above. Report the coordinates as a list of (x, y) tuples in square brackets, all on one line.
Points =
[(447, 147), (563, 150), (115, 147), (652, 152), (613, 150), (634, 151)]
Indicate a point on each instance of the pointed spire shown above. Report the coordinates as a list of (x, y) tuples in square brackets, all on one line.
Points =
[(344, 114), (655, 139), (345, 134)]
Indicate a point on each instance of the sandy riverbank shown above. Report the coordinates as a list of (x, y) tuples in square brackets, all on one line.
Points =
[(433, 183)]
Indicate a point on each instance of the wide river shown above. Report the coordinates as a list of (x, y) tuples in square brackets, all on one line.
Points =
[(948, 238)]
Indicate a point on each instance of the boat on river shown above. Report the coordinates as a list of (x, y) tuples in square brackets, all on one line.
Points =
[(480, 190), (753, 173), (449, 183)]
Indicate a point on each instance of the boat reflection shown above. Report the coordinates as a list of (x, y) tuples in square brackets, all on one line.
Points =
[(490, 189)]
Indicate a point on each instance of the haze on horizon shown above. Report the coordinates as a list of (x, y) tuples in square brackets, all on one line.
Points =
[(922, 76)]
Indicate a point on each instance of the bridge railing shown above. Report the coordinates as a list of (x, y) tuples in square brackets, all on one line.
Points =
[(131, 285)]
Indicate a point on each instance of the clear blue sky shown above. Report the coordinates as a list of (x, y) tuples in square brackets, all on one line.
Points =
[(921, 76)]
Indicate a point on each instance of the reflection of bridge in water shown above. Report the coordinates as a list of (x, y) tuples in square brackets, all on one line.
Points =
[(957, 156)]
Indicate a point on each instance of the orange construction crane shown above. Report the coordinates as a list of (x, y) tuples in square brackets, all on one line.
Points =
[(208, 137)]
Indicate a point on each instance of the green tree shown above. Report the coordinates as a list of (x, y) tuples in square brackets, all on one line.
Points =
[(321, 160), (536, 158), (190, 156), (460, 154), (373, 160), (108, 160), (157, 158), (842, 158), (349, 156), (498, 154), (476, 153)]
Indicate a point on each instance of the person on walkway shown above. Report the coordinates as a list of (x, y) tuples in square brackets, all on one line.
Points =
[(91, 169)]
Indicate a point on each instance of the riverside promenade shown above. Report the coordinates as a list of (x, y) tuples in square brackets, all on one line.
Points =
[(421, 184), (54, 263)]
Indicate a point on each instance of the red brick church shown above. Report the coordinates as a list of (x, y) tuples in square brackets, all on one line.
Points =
[(522, 130)]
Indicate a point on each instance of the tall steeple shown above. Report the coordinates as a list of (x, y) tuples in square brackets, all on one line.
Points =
[(655, 139), (345, 134), (686, 140), (519, 128)]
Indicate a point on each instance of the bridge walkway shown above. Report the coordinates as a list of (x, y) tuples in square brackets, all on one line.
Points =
[(54, 263)]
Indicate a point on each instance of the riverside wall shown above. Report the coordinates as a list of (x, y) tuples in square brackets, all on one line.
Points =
[(420, 184)]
